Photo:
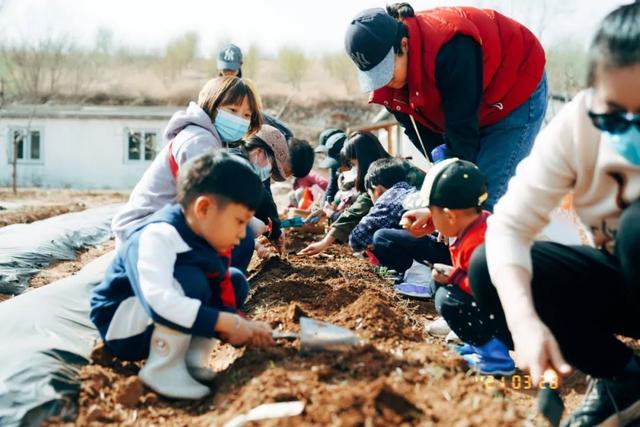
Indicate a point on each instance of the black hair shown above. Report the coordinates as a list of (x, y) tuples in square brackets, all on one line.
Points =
[(399, 11), (239, 75), (385, 172), (365, 148), (617, 41), (227, 177), (301, 157)]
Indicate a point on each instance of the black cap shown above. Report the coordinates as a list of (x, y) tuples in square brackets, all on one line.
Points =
[(322, 139), (334, 144), (369, 42), (453, 184)]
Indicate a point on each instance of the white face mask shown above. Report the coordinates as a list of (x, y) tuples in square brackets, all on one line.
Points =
[(261, 163)]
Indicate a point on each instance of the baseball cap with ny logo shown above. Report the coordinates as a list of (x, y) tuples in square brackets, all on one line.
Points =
[(369, 43)]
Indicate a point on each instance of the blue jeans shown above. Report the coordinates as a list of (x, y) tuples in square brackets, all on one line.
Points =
[(241, 255), (504, 144), (396, 249)]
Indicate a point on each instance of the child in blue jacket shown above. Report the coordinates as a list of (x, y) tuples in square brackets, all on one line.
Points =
[(170, 289)]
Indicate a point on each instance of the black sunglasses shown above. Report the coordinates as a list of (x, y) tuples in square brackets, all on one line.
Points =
[(615, 123)]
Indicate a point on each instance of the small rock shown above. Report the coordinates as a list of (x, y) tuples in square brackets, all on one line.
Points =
[(95, 413), (294, 313), (101, 355), (129, 391)]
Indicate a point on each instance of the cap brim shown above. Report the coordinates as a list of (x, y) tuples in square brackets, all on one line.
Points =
[(321, 149), (328, 162), (222, 65), (378, 76)]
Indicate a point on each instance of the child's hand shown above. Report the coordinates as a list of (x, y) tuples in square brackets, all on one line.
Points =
[(239, 333), (441, 273), (281, 243), (417, 222), (261, 334), (264, 249), (318, 247)]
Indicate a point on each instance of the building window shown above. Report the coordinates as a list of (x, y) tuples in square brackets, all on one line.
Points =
[(28, 147), (141, 145)]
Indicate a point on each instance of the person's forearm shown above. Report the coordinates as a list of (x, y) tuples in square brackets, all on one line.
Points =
[(513, 284), (227, 322)]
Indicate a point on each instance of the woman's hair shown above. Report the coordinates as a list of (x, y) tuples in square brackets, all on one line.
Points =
[(256, 142), (399, 11), (366, 149), (617, 41), (230, 90), (221, 73)]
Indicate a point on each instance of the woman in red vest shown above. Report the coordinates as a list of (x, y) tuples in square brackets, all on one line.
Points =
[(470, 81)]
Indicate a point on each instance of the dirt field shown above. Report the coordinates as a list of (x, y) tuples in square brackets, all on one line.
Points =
[(33, 204), (400, 377)]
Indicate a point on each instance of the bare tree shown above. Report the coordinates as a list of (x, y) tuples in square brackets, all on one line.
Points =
[(179, 53), (33, 68), (293, 63), (104, 41), (250, 60), (340, 67), (14, 160)]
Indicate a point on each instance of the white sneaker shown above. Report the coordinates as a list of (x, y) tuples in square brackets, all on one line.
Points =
[(438, 327), (453, 338), (165, 371), (197, 358)]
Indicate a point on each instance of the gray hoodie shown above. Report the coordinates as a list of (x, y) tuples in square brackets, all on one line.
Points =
[(193, 134)]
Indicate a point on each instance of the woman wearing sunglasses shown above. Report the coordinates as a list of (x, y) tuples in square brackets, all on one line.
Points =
[(563, 306)]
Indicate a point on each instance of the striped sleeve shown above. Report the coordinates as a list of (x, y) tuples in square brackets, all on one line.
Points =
[(151, 271)]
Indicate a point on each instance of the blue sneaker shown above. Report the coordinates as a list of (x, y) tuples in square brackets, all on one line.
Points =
[(491, 358), (465, 349), (414, 291)]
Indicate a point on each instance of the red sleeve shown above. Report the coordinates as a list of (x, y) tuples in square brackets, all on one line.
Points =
[(320, 181), (461, 264)]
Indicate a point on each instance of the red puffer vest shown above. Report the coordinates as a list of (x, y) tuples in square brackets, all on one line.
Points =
[(513, 64)]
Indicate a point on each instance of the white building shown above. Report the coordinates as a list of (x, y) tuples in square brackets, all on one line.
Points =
[(82, 147)]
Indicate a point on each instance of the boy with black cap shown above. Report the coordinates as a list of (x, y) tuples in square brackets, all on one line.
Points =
[(331, 142), (454, 193)]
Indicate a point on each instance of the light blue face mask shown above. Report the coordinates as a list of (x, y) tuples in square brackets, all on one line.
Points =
[(264, 172), (229, 126), (627, 144)]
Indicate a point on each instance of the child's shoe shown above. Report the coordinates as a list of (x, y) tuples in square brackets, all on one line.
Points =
[(465, 349), (421, 291), (438, 328), (491, 358), (453, 338), (197, 359), (165, 371)]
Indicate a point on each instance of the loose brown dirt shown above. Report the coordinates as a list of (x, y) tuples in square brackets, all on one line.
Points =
[(399, 377), (33, 204)]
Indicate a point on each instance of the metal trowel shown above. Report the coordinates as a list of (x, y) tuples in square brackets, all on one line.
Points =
[(316, 335)]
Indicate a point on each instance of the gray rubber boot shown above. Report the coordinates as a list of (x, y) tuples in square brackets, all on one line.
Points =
[(165, 371), (197, 358)]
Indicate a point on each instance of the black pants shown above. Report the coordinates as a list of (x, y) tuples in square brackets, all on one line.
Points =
[(585, 296), (464, 316), (396, 249)]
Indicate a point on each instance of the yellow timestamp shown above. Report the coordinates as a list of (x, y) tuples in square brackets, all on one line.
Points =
[(515, 382)]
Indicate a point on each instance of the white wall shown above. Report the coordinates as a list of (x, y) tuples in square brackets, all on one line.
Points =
[(78, 153)]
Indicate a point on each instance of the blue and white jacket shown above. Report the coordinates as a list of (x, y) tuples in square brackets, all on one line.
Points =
[(162, 274), (385, 213)]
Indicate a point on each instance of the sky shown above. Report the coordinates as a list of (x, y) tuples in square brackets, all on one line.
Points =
[(314, 26)]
